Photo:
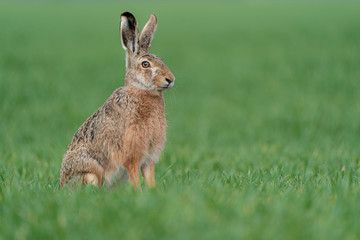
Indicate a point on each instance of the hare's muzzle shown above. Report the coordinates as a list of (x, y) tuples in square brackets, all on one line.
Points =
[(170, 83)]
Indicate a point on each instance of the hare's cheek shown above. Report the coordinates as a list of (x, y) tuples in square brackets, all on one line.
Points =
[(158, 81), (147, 75)]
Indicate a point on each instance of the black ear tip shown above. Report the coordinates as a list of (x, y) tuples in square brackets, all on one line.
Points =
[(128, 15)]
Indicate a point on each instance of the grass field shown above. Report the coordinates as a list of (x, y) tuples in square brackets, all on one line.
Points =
[(264, 131)]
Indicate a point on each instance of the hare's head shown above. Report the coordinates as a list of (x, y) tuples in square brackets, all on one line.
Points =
[(143, 70)]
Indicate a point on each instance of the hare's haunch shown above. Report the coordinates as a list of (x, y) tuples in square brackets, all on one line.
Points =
[(129, 130)]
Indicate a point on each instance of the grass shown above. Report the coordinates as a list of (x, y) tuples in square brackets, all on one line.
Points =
[(264, 130)]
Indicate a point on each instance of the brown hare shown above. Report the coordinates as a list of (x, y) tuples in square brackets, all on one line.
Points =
[(129, 130)]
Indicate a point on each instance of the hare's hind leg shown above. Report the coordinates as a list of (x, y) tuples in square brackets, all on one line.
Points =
[(90, 178), (81, 165)]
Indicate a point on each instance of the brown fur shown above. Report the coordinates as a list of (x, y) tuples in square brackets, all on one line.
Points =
[(129, 130)]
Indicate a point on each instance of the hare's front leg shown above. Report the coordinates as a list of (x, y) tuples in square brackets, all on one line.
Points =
[(133, 153), (148, 172), (133, 171)]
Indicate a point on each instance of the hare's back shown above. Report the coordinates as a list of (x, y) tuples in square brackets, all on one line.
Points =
[(88, 130)]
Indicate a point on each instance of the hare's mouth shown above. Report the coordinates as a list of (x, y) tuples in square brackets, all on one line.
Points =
[(170, 85), (166, 84)]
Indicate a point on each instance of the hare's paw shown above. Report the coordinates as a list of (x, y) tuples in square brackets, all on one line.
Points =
[(91, 179)]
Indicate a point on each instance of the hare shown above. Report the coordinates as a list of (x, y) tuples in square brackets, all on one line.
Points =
[(129, 130)]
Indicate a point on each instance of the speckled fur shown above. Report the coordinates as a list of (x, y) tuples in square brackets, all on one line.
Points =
[(129, 130)]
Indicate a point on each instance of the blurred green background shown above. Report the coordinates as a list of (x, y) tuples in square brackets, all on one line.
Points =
[(263, 136)]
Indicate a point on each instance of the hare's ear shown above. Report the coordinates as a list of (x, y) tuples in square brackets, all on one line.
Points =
[(147, 34), (129, 32)]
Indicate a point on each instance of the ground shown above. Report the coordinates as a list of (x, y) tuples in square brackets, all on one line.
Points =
[(263, 135)]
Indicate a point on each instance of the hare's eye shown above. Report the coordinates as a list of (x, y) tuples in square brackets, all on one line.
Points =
[(145, 64)]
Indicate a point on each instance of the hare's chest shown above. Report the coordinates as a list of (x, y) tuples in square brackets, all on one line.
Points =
[(155, 141), (157, 132), (151, 117)]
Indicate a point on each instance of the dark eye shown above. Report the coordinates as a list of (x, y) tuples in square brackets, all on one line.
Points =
[(145, 64)]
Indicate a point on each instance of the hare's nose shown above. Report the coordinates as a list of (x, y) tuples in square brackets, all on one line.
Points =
[(168, 81)]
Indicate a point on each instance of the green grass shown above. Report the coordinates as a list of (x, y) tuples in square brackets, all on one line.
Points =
[(264, 130)]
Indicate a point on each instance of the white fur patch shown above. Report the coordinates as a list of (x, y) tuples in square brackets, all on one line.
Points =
[(123, 24), (150, 157), (120, 175)]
